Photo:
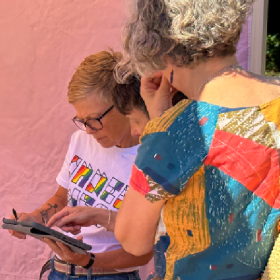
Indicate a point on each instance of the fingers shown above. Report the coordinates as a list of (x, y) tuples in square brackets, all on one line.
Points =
[(154, 86), (76, 229), (156, 94), (65, 250), (164, 85), (149, 85), (70, 217), (61, 250), (55, 219), (17, 234), (23, 216), (71, 257), (157, 79), (12, 217), (67, 221), (157, 74), (53, 245), (80, 238)]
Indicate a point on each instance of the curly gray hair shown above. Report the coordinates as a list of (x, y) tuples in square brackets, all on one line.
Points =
[(187, 31)]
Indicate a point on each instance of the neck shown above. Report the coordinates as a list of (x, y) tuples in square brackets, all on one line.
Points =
[(190, 80), (129, 141)]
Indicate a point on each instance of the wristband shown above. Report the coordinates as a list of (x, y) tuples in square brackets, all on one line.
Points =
[(109, 219), (91, 261)]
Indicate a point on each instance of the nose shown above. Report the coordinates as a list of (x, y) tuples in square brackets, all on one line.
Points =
[(135, 131), (89, 130)]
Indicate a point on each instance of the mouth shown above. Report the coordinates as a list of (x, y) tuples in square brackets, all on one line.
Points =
[(100, 139)]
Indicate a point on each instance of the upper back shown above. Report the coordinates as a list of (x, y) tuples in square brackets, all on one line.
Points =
[(241, 142), (241, 89)]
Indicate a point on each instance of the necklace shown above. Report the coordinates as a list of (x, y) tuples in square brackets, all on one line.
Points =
[(216, 75)]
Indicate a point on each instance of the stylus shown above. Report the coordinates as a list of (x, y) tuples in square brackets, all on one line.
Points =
[(15, 214)]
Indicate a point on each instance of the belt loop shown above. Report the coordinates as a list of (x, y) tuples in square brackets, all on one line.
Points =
[(72, 267), (89, 274), (52, 264), (67, 270)]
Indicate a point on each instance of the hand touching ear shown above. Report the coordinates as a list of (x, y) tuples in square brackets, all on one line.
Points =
[(157, 93)]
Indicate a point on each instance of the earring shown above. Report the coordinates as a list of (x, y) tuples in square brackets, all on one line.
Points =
[(171, 80)]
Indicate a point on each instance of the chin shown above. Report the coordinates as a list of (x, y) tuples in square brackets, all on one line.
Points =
[(106, 144)]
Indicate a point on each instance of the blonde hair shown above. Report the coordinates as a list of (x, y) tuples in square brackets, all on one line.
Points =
[(186, 31), (94, 74)]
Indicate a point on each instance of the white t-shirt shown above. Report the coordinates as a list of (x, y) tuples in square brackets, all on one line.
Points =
[(97, 177)]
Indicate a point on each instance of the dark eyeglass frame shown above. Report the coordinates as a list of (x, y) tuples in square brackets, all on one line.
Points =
[(75, 119)]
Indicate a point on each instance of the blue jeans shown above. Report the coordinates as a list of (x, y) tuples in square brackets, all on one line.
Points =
[(55, 275)]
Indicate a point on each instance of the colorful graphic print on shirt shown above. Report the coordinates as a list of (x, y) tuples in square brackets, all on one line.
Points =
[(93, 188)]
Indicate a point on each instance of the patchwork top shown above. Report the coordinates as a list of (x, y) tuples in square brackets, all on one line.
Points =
[(218, 169)]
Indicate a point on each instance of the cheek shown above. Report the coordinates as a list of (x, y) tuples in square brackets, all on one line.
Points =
[(143, 123), (136, 128), (115, 130), (141, 128), (133, 126)]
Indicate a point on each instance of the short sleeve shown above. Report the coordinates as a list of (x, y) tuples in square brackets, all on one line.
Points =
[(63, 176), (173, 148)]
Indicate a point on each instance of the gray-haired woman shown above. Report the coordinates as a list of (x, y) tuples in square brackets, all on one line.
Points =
[(205, 184)]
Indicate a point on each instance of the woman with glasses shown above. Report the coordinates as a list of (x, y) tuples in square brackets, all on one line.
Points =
[(95, 173)]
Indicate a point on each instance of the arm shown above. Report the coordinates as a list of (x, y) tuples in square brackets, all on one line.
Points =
[(156, 93), (120, 259), (56, 203), (41, 215), (139, 217), (116, 259), (71, 219)]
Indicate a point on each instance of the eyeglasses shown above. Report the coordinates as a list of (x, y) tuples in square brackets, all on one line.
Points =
[(93, 124)]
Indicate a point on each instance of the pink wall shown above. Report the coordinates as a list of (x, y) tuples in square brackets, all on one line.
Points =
[(41, 44)]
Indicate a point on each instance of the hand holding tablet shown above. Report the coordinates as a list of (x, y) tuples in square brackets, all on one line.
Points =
[(40, 231)]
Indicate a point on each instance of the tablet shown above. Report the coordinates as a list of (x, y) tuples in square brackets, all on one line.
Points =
[(39, 231)]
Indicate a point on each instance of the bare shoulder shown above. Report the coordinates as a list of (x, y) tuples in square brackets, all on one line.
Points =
[(262, 89), (269, 87), (242, 89), (266, 80), (273, 80)]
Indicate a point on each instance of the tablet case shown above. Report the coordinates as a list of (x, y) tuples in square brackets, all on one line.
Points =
[(39, 231)]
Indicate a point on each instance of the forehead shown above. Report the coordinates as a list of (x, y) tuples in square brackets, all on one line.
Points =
[(137, 114), (90, 106)]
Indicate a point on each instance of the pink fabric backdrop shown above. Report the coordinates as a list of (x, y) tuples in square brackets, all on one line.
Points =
[(41, 44)]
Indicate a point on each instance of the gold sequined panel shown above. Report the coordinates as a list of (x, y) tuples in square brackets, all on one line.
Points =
[(240, 123), (163, 122), (186, 223)]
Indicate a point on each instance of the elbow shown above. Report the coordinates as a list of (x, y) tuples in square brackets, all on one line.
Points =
[(137, 250), (131, 246), (133, 241), (146, 258), (142, 260)]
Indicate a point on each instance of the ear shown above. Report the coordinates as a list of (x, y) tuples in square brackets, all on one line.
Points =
[(168, 62)]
